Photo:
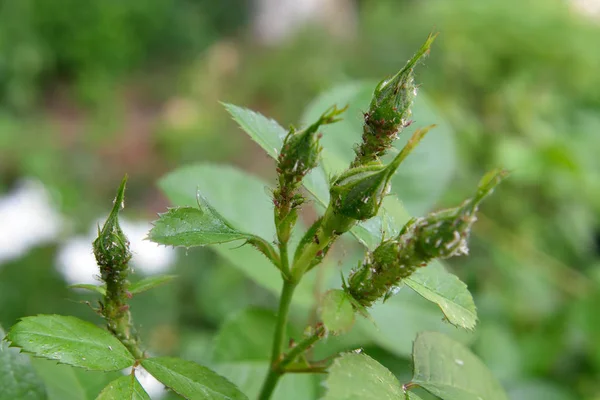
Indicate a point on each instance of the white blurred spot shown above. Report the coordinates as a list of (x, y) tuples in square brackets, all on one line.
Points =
[(588, 7), (75, 261), (28, 219), (275, 20)]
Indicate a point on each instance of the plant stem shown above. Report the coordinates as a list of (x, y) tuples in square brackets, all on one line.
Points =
[(284, 259), (331, 227), (278, 340)]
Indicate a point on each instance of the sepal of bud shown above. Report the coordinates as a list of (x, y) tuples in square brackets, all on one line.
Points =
[(111, 247)]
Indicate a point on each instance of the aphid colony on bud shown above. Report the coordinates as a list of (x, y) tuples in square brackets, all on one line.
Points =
[(389, 111), (443, 234), (298, 156), (111, 249)]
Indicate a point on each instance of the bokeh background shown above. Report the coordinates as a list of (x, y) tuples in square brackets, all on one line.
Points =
[(91, 90)]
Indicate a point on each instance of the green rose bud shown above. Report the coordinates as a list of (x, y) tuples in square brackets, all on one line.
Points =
[(299, 155), (301, 149), (389, 111), (439, 235), (111, 247), (445, 233), (358, 193)]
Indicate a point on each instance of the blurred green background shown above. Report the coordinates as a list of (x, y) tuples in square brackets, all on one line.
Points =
[(92, 90)]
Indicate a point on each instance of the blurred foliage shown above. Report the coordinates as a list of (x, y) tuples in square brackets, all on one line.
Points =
[(92, 89)]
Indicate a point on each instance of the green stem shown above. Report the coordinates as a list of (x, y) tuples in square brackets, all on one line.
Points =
[(278, 340), (284, 259), (332, 226)]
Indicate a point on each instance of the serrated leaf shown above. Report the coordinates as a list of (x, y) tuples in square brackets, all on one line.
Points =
[(241, 199), (92, 288), (72, 341), (445, 289), (265, 131), (189, 227), (150, 283), (358, 377), (450, 371), (337, 312), (237, 196), (191, 380), (18, 379), (124, 388)]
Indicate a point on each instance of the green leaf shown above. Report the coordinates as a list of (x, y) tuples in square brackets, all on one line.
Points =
[(445, 289), (241, 352), (72, 341), (397, 321), (239, 197), (189, 226), (426, 172), (191, 380), (449, 370), (92, 288), (60, 380), (18, 379), (150, 283), (337, 312), (358, 377), (264, 131), (124, 388)]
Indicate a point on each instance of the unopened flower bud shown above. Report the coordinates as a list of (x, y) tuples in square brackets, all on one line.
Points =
[(442, 234), (445, 233), (111, 247), (300, 151), (389, 111), (298, 156), (358, 193)]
